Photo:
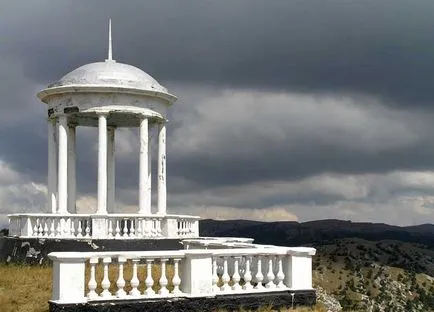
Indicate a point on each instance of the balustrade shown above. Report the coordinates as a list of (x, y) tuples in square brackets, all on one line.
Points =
[(186, 228), (112, 226), (134, 227), (245, 272), (141, 275), (52, 226), (181, 273)]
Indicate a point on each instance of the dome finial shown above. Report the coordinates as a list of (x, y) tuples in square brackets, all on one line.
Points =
[(110, 55)]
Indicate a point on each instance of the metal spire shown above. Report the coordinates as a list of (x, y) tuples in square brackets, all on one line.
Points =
[(110, 55)]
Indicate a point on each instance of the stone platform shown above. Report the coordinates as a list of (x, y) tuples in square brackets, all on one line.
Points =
[(275, 300), (35, 250)]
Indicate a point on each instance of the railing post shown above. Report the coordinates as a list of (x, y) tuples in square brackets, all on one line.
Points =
[(297, 267), (195, 228), (68, 278), (99, 227), (26, 225), (14, 226), (170, 227), (196, 273)]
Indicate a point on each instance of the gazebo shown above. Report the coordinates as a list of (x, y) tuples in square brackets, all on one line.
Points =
[(108, 95)]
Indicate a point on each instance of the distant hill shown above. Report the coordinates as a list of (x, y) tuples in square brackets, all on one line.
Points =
[(317, 232), (359, 266)]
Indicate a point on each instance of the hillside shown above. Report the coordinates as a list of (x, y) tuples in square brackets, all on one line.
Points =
[(358, 266)]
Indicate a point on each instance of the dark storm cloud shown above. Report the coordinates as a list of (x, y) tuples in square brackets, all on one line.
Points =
[(381, 47)]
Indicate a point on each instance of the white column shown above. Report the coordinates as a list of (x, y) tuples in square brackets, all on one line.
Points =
[(102, 164), (144, 188), (149, 190), (111, 169), (52, 166), (72, 185), (162, 196), (63, 165)]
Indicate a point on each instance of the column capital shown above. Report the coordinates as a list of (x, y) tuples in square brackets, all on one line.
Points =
[(102, 114)]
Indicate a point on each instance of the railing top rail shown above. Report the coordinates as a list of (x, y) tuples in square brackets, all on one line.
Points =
[(49, 215), (114, 215), (114, 254), (276, 250)]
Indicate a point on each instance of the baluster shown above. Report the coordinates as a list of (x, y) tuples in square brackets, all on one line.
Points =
[(149, 281), (87, 229), (215, 277), (59, 228), (247, 275), (225, 277), (125, 228), (45, 227), (280, 276), (132, 231), (191, 227), (160, 229), (163, 279), (35, 228), (92, 280), (178, 228), (79, 229), (110, 228), (236, 276), (105, 283), (176, 280), (120, 283), (52, 228), (65, 227), (259, 276), (72, 227), (118, 229), (154, 227), (139, 228), (146, 230), (134, 280), (153, 230), (270, 274), (181, 225), (40, 229), (185, 227)]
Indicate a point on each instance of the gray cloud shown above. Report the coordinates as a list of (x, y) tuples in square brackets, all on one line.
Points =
[(379, 47), (268, 92)]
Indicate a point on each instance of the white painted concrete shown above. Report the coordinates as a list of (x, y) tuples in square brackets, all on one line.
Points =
[(162, 188), (111, 226), (197, 272), (68, 280), (144, 181), (111, 183), (149, 190), (63, 165), (52, 166), (72, 185), (102, 164)]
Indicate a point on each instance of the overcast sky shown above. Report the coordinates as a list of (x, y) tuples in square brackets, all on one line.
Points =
[(287, 110)]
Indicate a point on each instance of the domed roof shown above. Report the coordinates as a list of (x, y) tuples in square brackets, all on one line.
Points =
[(110, 74), (106, 76)]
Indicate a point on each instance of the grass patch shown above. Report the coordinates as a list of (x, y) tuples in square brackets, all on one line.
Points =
[(28, 288)]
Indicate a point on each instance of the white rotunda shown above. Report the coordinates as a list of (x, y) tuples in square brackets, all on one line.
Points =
[(107, 95)]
